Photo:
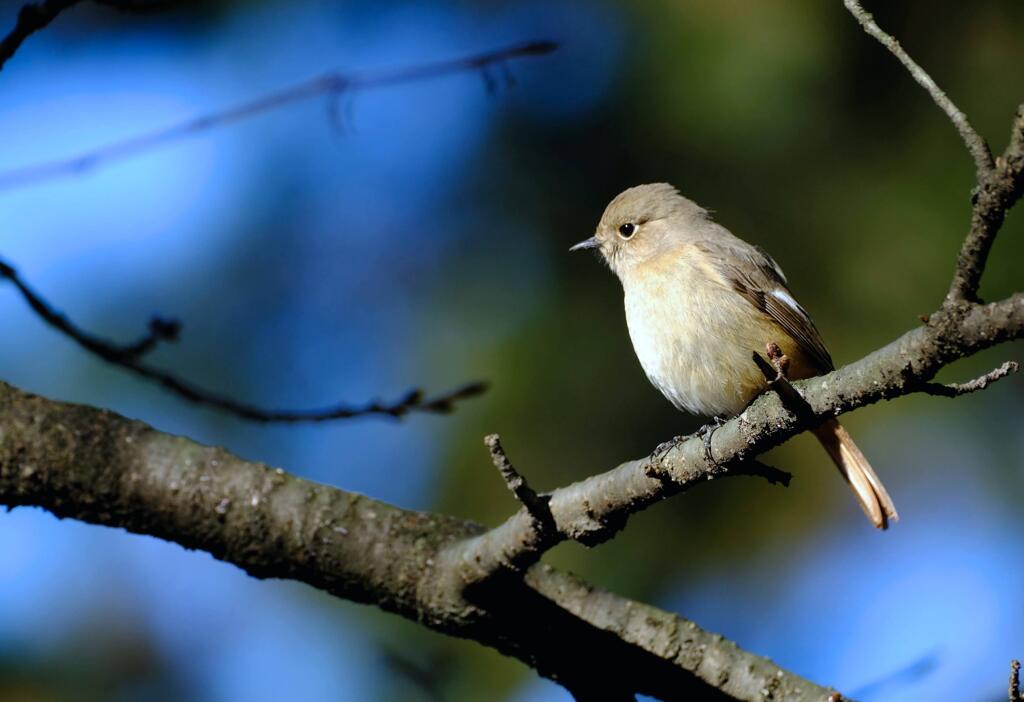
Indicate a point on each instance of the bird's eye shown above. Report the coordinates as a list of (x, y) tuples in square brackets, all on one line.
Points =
[(627, 230)]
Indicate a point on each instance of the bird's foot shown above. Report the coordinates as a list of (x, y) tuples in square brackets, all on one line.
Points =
[(665, 446), (705, 433)]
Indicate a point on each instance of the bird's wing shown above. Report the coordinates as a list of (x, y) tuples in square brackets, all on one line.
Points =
[(757, 277)]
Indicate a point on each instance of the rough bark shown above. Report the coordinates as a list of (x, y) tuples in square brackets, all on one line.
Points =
[(446, 573), (95, 466)]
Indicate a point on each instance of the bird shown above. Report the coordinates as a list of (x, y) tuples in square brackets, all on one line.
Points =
[(699, 301)]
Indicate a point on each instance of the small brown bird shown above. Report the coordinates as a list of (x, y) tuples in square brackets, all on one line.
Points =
[(699, 301)]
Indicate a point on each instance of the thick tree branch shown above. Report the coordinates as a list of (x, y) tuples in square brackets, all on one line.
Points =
[(31, 18), (331, 85), (95, 466), (128, 357)]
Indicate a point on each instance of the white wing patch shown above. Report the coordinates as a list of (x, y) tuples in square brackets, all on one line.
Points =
[(785, 298)]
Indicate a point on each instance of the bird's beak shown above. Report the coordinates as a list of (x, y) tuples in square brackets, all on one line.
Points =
[(591, 243)]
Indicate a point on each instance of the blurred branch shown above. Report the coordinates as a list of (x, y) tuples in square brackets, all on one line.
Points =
[(1014, 690), (31, 18), (427, 677), (908, 674), (975, 144), (979, 383), (331, 85), (160, 329)]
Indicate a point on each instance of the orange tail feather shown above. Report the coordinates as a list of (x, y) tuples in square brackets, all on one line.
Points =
[(872, 495)]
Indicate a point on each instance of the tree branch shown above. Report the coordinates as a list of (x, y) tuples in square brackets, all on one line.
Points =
[(976, 146), (1000, 183), (331, 85), (979, 383), (994, 196), (594, 509), (97, 467), (516, 482), (160, 329), (31, 18)]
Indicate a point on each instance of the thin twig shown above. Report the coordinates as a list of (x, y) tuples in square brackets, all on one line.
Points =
[(331, 85), (979, 383), (975, 144), (535, 504), (31, 18), (128, 357), (159, 328), (999, 183), (901, 678), (775, 373)]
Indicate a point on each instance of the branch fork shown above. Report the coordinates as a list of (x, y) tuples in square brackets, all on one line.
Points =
[(536, 505)]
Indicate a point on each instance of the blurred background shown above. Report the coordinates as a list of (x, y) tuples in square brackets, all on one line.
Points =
[(423, 241)]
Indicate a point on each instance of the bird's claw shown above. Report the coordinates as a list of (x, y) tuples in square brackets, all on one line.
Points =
[(706, 432), (665, 446)]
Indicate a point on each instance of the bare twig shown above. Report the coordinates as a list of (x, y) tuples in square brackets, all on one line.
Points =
[(979, 383), (331, 85), (31, 18), (160, 328), (535, 504), (976, 145), (776, 375), (128, 357), (999, 182), (910, 673)]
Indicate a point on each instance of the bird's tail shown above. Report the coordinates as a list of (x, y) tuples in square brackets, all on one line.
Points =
[(857, 472)]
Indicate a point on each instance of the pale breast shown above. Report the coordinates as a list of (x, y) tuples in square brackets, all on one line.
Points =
[(694, 336)]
